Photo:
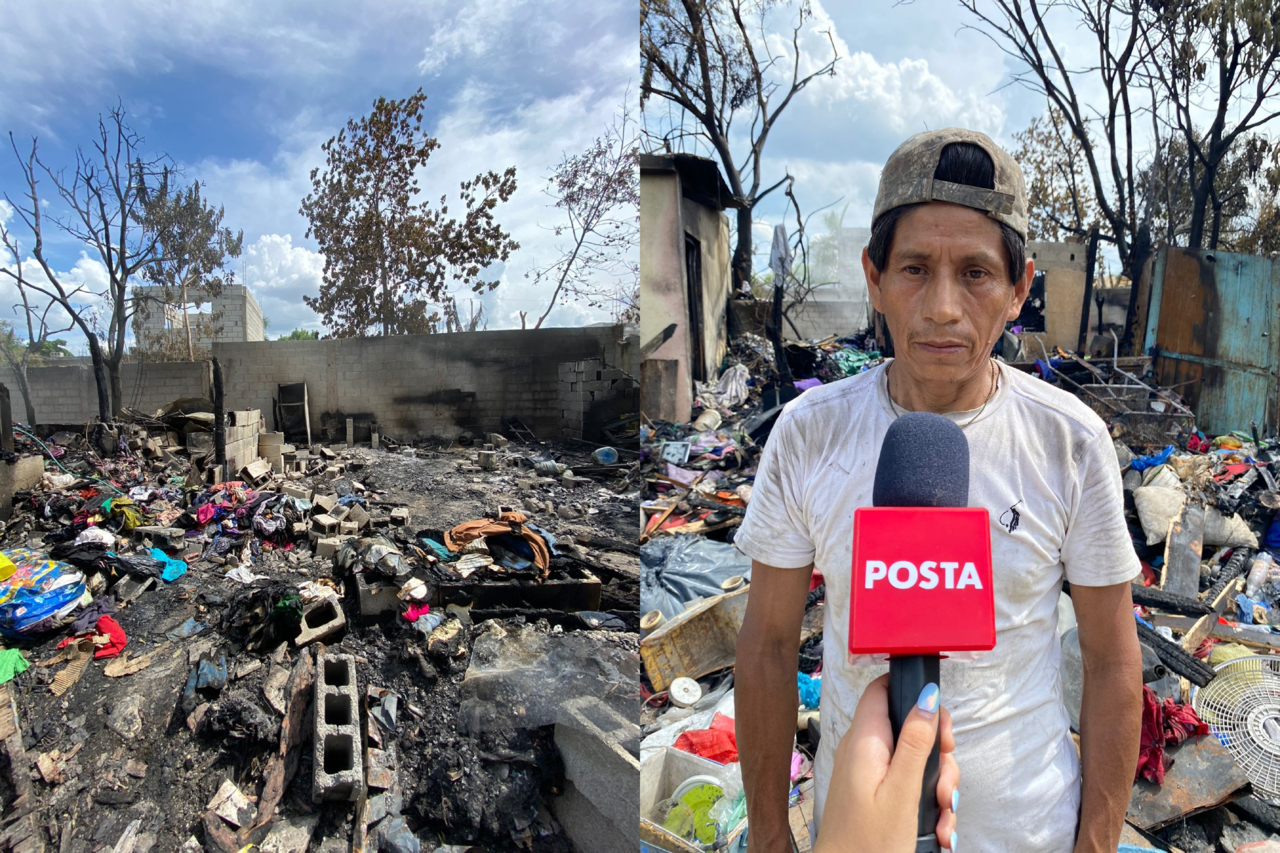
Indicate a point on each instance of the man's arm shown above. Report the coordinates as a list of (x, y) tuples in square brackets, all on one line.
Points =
[(766, 699), (1110, 712)]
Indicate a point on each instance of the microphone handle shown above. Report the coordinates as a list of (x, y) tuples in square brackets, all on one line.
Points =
[(908, 675)]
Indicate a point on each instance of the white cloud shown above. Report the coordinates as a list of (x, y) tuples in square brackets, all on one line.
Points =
[(531, 36), (513, 82), (87, 275), (905, 96), (279, 274), (476, 136), (476, 28)]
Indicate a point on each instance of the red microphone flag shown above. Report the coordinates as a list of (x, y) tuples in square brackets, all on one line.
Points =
[(921, 581)]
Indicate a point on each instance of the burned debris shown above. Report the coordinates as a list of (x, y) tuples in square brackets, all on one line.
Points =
[(301, 648)]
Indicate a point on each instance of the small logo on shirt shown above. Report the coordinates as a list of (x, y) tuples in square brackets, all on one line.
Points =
[(1010, 518)]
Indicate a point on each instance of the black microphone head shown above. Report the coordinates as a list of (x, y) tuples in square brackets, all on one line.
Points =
[(924, 461)]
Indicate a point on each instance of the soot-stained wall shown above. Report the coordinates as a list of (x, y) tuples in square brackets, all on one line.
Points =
[(424, 384)]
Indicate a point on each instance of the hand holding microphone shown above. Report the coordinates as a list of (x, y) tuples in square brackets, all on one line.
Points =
[(921, 588), (874, 795)]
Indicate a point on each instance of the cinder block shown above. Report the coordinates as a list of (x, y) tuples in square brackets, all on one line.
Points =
[(376, 600), (338, 768), (400, 516), (256, 473), (339, 512), (325, 525), (593, 741), (588, 827), (348, 528), (168, 538), (320, 621), (299, 492), (324, 503), (357, 515), (326, 547)]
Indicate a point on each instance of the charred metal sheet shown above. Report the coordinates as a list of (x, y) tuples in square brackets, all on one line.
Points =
[(1214, 318), (1183, 546), (1202, 775)]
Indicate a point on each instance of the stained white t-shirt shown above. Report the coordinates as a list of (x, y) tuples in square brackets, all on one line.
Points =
[(1044, 466)]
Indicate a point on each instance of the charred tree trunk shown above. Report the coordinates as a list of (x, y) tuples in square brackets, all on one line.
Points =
[(742, 251), (100, 379), (24, 388), (6, 421), (774, 329), (219, 419)]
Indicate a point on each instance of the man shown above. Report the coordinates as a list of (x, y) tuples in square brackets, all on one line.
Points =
[(946, 265)]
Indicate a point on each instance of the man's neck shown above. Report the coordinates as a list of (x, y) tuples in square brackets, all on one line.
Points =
[(912, 395)]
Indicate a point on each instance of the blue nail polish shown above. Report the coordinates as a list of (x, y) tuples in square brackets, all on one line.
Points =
[(928, 700), (955, 800), (953, 842)]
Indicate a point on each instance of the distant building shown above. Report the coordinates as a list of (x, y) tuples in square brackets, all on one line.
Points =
[(233, 316), (1063, 264), (684, 278)]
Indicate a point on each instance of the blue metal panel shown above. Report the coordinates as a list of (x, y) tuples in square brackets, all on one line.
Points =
[(1153, 304), (1216, 318), (1245, 324)]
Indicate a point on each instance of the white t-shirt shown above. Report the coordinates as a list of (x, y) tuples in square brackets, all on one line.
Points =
[(1044, 466)]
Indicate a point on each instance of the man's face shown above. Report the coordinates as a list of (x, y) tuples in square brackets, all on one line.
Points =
[(945, 291)]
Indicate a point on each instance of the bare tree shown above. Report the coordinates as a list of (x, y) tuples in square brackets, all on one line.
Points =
[(105, 193), (39, 342), (1167, 63), (66, 295), (599, 193), (1223, 57), (1060, 197), (1018, 28), (712, 60)]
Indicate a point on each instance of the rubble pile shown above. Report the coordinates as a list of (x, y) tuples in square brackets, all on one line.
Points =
[(206, 657)]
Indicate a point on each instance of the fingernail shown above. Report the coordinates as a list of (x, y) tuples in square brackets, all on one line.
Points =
[(953, 842), (955, 800), (928, 700)]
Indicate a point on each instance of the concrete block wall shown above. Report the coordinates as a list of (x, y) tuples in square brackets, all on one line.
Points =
[(413, 385), (69, 395), (147, 386), (583, 385), (423, 384)]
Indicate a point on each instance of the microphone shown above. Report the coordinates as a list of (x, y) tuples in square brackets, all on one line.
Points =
[(921, 583)]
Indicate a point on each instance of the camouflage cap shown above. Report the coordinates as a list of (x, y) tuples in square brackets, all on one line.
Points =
[(908, 179)]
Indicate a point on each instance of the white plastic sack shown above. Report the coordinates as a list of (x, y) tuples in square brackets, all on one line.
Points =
[(1158, 506)]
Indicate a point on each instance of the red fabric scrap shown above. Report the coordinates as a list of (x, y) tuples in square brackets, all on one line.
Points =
[(815, 580), (718, 743), (1164, 724), (416, 610), (1205, 648), (108, 639)]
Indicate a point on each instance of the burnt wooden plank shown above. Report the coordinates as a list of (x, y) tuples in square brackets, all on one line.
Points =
[(1181, 573), (1192, 639)]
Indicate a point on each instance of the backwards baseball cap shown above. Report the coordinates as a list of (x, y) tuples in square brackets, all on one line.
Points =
[(908, 179)]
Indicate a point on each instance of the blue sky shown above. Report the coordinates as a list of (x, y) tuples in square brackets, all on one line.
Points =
[(241, 96)]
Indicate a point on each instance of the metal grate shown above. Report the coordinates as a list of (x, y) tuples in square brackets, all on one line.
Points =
[(1242, 707)]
